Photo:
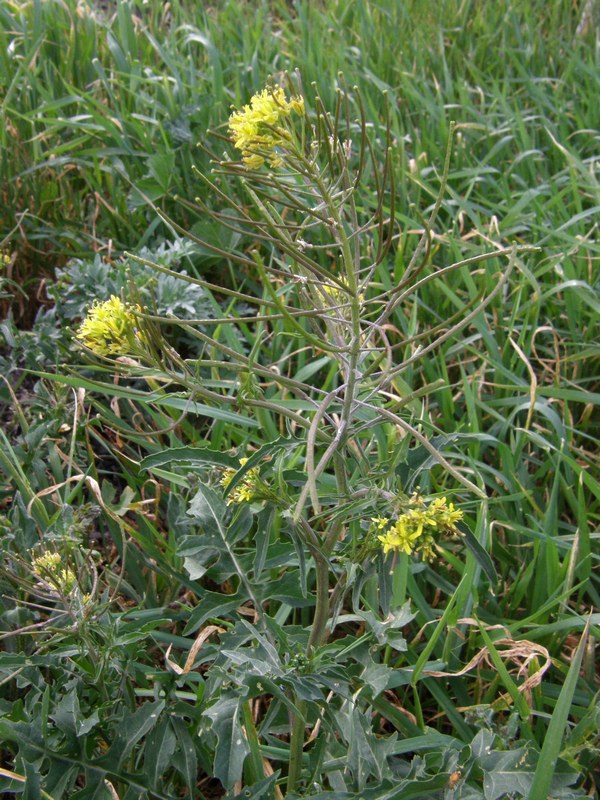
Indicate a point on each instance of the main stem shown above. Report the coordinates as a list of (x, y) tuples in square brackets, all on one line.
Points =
[(321, 550), (296, 746)]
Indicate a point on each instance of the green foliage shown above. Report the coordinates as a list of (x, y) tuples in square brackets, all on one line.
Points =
[(164, 294), (93, 106), (191, 657), (48, 344)]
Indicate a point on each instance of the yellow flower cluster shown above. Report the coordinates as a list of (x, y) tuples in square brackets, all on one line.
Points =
[(246, 489), (256, 130), (413, 531), (49, 568), (109, 328)]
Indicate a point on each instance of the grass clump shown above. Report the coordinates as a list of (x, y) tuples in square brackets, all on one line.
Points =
[(325, 525)]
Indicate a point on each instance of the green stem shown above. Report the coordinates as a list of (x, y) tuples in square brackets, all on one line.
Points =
[(352, 277), (318, 629), (318, 343), (296, 746), (418, 709), (312, 473), (320, 551), (399, 579), (255, 762)]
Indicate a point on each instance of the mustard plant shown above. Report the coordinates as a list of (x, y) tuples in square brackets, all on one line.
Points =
[(314, 206)]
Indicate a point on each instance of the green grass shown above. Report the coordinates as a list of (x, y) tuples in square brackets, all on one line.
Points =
[(95, 104)]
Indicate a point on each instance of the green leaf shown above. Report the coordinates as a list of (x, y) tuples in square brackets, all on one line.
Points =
[(212, 604), (190, 456), (367, 754), (386, 630), (512, 773), (146, 189), (97, 790), (184, 404), (185, 759), (377, 677), (264, 527), (261, 789), (201, 552), (110, 389), (32, 783), (210, 511), (160, 746), (161, 166), (32, 749), (131, 730), (429, 741), (481, 555), (69, 718), (232, 747), (419, 789), (545, 770)]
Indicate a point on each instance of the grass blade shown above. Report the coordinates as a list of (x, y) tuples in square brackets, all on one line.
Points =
[(556, 729)]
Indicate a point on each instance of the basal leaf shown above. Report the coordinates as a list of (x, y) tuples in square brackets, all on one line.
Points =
[(232, 747), (212, 604), (132, 729), (69, 718), (364, 758), (185, 760), (97, 789), (512, 771), (160, 746), (261, 789)]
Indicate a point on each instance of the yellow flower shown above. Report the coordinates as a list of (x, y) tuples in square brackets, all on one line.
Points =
[(109, 328), (379, 522), (66, 580), (393, 542), (297, 105), (404, 535), (253, 161), (49, 568), (413, 531), (426, 547), (49, 562), (445, 515), (246, 489), (256, 130)]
